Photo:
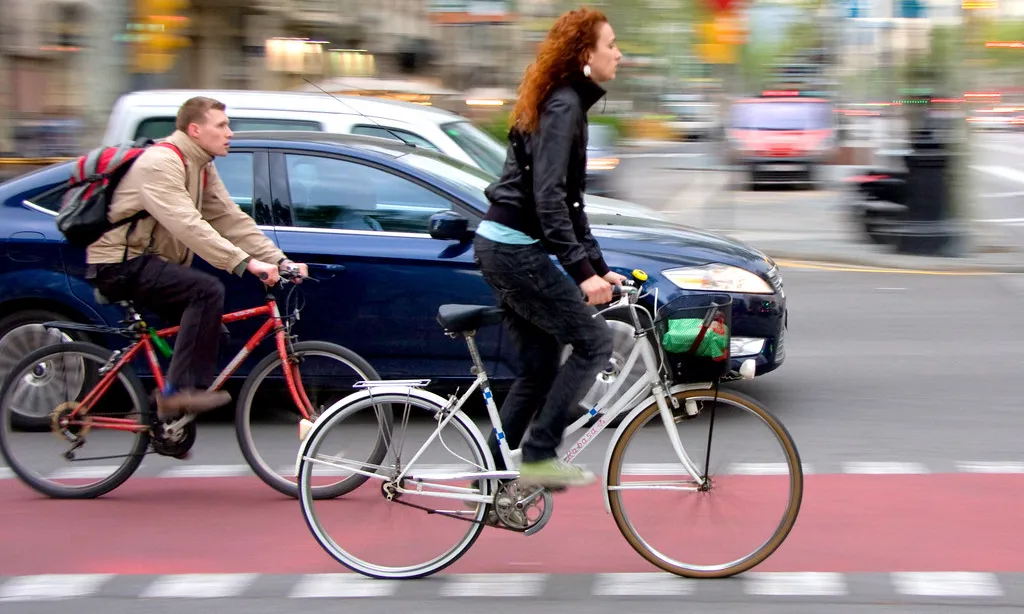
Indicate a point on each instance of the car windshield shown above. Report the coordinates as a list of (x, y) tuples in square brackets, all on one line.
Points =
[(465, 175), (482, 147), (781, 116)]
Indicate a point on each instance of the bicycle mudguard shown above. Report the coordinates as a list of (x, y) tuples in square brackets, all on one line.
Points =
[(633, 413), (309, 432), (88, 328)]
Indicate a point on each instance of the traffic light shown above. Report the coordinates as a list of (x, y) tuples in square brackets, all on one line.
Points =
[(720, 37)]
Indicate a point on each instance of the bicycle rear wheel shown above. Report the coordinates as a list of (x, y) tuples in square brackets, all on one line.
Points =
[(669, 518), (53, 380), (266, 418), (386, 529)]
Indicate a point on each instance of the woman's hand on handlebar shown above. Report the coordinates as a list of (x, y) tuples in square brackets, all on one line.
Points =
[(615, 279), (597, 290)]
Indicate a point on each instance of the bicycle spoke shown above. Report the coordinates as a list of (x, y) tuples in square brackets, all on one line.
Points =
[(103, 428), (728, 521), (383, 530)]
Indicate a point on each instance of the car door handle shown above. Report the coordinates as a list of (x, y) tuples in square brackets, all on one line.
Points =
[(323, 266)]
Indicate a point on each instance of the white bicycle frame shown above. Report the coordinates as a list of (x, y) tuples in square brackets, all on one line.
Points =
[(648, 388)]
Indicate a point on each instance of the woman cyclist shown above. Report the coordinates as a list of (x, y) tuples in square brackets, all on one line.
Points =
[(537, 210)]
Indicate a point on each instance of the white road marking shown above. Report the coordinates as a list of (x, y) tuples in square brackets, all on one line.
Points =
[(808, 583), (947, 584), (51, 587), (342, 585), (494, 585), (199, 586), (641, 585)]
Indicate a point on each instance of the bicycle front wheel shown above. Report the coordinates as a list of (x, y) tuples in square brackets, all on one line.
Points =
[(266, 417), (390, 528), (92, 453), (736, 512)]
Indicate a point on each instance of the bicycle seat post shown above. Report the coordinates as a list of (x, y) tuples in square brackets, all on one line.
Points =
[(478, 363)]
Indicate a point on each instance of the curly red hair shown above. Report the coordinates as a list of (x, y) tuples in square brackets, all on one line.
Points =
[(563, 52)]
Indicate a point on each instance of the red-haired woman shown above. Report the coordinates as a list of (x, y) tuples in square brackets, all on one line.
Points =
[(536, 210)]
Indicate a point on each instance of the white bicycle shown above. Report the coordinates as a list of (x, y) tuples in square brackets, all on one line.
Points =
[(438, 485)]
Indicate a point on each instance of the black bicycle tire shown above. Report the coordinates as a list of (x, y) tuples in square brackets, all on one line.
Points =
[(132, 461), (243, 408)]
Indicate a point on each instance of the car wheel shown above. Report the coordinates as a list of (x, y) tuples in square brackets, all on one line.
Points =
[(21, 333)]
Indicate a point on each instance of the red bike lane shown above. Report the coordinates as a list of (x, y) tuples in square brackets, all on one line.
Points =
[(847, 524)]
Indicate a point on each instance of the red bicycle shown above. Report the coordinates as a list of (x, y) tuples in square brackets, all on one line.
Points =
[(96, 406)]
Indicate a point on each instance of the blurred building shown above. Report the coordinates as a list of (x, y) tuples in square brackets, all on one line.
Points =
[(58, 64), (277, 43)]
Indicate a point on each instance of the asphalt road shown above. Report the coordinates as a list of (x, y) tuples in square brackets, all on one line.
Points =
[(900, 390)]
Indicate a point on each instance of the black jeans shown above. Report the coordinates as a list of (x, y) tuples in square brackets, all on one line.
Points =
[(544, 312), (180, 295)]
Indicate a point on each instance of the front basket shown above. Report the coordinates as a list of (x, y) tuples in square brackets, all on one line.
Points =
[(694, 332)]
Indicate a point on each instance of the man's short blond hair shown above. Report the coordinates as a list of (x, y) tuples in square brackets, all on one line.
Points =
[(194, 111)]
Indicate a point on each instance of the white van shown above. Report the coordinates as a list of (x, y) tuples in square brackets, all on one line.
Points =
[(151, 114)]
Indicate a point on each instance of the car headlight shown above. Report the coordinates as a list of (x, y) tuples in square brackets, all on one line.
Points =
[(602, 164), (718, 277)]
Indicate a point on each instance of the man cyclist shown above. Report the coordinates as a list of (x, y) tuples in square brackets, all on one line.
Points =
[(149, 260)]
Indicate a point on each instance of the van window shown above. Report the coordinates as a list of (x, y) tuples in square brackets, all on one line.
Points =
[(394, 134), (160, 127), (487, 152)]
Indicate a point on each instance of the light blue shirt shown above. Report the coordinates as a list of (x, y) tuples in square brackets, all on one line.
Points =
[(500, 233)]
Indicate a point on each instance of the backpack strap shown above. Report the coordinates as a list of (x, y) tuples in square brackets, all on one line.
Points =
[(171, 145), (133, 220)]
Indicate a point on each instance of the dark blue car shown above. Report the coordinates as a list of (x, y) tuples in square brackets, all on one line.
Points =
[(357, 210)]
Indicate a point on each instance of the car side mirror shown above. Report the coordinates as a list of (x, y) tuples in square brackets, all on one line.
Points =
[(450, 226)]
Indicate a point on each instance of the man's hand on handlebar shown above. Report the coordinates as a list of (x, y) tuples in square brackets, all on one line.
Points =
[(294, 271), (268, 273)]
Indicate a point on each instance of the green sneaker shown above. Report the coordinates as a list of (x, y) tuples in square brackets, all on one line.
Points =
[(554, 473)]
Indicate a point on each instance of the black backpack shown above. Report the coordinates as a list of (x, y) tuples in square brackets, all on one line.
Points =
[(83, 212)]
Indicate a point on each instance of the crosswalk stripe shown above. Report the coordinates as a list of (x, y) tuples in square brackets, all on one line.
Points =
[(64, 587), (52, 587), (947, 584), (494, 585), (199, 586), (808, 583), (342, 585), (641, 585)]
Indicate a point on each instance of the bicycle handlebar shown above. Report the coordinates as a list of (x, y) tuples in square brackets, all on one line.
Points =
[(290, 272), (619, 291)]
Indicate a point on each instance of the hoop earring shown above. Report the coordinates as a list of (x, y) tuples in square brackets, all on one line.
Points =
[(586, 70)]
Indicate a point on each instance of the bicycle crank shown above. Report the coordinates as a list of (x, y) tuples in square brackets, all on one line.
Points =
[(66, 428), (176, 443), (522, 508)]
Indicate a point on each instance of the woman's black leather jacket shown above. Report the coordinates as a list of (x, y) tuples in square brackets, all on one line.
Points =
[(540, 191)]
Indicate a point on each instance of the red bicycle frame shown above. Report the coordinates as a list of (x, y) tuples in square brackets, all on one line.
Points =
[(273, 325)]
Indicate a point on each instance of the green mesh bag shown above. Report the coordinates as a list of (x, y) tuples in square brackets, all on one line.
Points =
[(682, 333)]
